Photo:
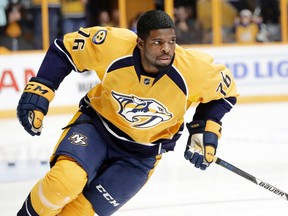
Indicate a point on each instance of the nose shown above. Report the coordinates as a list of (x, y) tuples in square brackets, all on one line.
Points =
[(165, 48)]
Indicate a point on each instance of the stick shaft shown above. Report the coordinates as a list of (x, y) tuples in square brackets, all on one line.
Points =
[(251, 178)]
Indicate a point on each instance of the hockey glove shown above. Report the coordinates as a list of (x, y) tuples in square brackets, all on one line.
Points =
[(202, 142), (34, 103)]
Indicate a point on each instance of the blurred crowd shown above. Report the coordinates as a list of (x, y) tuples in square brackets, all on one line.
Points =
[(243, 21), (21, 20)]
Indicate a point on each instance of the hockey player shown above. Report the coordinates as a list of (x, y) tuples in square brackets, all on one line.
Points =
[(112, 145)]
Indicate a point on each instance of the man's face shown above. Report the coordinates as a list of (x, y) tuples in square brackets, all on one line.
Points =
[(157, 50)]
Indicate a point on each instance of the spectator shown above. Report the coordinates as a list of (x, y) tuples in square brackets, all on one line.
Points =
[(93, 9), (246, 30), (204, 16), (104, 18), (13, 33), (115, 17), (13, 29), (270, 11), (27, 21), (263, 34), (54, 17), (188, 30), (74, 15)]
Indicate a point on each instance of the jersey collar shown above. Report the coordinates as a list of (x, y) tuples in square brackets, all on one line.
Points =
[(139, 69)]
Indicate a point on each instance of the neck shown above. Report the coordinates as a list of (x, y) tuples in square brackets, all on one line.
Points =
[(146, 71)]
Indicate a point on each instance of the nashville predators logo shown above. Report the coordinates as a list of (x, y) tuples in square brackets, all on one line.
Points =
[(141, 113), (99, 37)]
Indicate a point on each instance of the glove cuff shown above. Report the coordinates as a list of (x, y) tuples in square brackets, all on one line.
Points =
[(200, 126), (41, 87), (214, 127), (43, 81), (196, 126)]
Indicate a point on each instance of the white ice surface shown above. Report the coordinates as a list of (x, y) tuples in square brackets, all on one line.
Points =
[(254, 139)]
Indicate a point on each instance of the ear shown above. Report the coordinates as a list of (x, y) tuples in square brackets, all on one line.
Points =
[(140, 43)]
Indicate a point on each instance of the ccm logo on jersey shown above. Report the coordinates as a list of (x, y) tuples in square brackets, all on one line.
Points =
[(99, 37), (141, 112)]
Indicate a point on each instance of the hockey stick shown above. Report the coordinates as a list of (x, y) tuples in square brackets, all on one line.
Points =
[(251, 178)]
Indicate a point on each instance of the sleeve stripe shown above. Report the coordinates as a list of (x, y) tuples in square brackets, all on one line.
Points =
[(68, 57), (227, 101)]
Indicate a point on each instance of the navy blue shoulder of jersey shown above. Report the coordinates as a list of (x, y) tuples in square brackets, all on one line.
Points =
[(121, 63), (175, 76), (56, 65), (214, 110)]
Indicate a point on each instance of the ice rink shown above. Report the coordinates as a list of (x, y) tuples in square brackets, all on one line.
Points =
[(254, 138)]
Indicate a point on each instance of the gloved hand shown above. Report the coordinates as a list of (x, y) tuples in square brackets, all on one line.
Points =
[(202, 142), (34, 104)]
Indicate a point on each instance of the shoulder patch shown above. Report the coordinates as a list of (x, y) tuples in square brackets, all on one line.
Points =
[(99, 37)]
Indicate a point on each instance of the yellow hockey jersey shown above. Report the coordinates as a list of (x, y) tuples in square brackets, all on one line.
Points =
[(134, 107)]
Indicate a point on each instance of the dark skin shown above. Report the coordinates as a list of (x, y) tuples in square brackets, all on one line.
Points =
[(157, 50)]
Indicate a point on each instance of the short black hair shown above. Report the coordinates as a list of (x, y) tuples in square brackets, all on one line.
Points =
[(152, 20)]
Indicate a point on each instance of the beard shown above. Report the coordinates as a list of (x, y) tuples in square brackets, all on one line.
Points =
[(162, 67)]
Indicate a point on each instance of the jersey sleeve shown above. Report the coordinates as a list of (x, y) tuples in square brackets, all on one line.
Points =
[(213, 87), (56, 64), (218, 96), (211, 82), (95, 48), (89, 49), (214, 110)]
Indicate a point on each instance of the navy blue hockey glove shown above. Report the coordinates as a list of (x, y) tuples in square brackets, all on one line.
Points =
[(34, 104), (202, 142)]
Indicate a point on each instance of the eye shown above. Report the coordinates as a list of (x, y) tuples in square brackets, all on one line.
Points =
[(156, 42), (172, 41)]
